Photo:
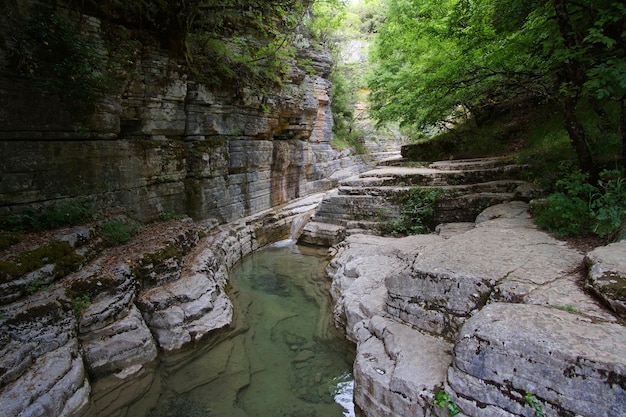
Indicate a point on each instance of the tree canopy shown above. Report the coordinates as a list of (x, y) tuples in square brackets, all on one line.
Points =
[(437, 61)]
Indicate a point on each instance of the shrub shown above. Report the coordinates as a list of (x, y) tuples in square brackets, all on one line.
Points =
[(416, 213), (578, 208), (64, 213), (117, 232)]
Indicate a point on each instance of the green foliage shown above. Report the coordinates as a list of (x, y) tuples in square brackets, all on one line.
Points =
[(61, 59), (60, 254), (64, 213), (578, 207), (171, 215), (416, 213), (566, 211), (79, 303), (608, 206), (36, 286), (535, 404), (117, 232), (437, 63), (442, 399)]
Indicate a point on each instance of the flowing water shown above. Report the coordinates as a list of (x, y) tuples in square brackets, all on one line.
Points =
[(283, 356)]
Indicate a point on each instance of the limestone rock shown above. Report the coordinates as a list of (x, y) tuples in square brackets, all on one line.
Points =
[(573, 365), (124, 344), (185, 310), (607, 275), (451, 279), (358, 271), (511, 298), (322, 234), (397, 369), (42, 372)]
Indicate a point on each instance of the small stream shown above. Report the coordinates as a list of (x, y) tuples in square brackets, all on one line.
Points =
[(283, 356)]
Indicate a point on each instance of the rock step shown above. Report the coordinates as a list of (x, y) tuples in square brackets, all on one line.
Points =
[(505, 186), (340, 209), (470, 164), (465, 208), (432, 177)]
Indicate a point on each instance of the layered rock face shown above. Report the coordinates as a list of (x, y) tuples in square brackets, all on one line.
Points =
[(168, 144), (81, 334), (491, 313), (87, 343)]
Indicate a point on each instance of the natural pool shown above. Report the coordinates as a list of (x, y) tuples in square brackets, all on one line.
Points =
[(282, 357)]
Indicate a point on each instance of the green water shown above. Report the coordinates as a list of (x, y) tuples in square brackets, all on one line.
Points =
[(283, 356)]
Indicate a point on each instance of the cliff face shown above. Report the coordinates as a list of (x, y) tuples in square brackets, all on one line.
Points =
[(168, 144)]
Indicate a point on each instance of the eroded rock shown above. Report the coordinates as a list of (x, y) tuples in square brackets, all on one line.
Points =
[(573, 365), (607, 275), (41, 370), (502, 302)]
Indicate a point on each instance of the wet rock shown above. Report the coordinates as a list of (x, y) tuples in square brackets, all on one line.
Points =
[(607, 275), (303, 356), (573, 365)]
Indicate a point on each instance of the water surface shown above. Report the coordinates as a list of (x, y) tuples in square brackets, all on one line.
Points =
[(283, 356)]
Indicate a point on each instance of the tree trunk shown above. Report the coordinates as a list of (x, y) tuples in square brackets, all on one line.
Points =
[(576, 75), (576, 134)]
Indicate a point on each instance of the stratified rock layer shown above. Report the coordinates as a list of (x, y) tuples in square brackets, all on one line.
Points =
[(100, 328), (490, 313)]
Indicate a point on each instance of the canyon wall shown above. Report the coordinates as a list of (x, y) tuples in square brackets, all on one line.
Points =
[(167, 144)]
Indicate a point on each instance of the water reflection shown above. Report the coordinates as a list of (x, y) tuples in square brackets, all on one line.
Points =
[(282, 357)]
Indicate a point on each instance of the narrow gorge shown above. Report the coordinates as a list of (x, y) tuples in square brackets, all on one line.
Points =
[(486, 316)]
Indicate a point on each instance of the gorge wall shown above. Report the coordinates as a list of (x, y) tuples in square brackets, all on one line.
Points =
[(85, 340), (166, 143)]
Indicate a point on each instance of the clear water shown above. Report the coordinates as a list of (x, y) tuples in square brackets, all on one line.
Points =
[(283, 356)]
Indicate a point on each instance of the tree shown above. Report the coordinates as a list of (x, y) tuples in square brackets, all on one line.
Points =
[(437, 60)]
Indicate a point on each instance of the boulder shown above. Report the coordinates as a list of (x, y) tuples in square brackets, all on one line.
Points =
[(607, 275)]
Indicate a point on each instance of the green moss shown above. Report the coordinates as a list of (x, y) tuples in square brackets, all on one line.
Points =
[(10, 239), (60, 254), (616, 287), (153, 261), (49, 312), (90, 286)]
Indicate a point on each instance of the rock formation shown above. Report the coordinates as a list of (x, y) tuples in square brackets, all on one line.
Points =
[(74, 346), (168, 144), (489, 313)]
